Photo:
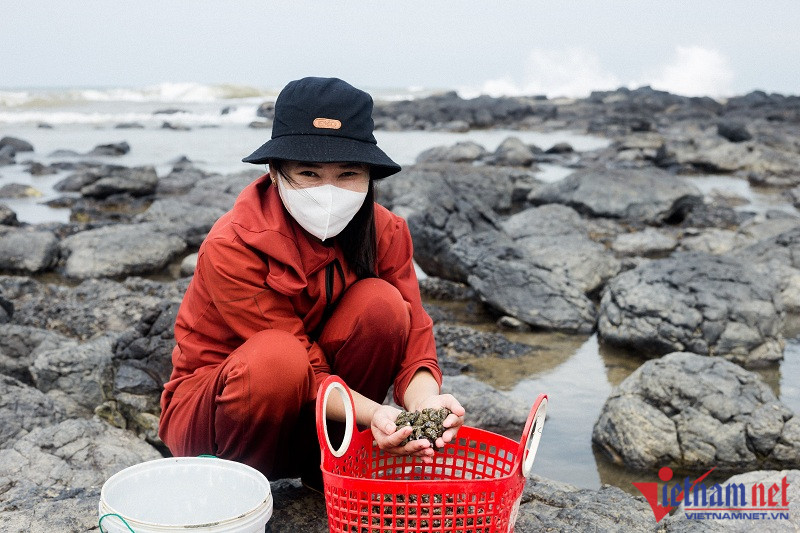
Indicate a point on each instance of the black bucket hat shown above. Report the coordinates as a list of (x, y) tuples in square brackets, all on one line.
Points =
[(324, 120)]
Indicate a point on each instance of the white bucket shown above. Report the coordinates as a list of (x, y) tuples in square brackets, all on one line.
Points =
[(201, 494)]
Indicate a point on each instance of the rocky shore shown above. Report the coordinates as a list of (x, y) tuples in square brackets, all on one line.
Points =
[(697, 291)]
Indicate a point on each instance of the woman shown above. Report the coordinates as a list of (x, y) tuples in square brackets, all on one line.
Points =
[(305, 277)]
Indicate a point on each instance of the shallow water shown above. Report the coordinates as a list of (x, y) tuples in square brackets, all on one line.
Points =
[(755, 199)]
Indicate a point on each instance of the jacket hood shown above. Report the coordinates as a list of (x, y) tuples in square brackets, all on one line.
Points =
[(261, 221)]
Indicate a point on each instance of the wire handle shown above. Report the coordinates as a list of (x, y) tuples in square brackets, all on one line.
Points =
[(100, 522), (532, 434), (335, 383)]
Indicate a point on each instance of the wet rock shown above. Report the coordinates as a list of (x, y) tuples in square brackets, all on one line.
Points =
[(733, 131), (712, 241), (266, 110), (24, 409), (760, 227), (7, 155), (534, 295), (137, 181), (714, 215), (180, 218), (442, 289), (23, 250), (555, 238), (512, 152), (436, 111), (142, 363), (793, 195), (7, 216), (113, 150), (442, 205), (174, 126), (18, 190), (37, 169), (560, 148), (260, 125), (650, 195), (100, 181), (183, 177), (462, 341), (92, 308), (169, 111), (63, 467), (19, 145), (649, 242), (463, 152), (486, 407), (119, 250), (219, 190), (692, 412), (64, 153), (549, 505), (763, 165), (778, 258), (706, 304), (6, 310), (296, 508), (17, 347), (129, 126), (74, 369)]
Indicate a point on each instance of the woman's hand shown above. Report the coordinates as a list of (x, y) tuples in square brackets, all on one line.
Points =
[(388, 436), (453, 421)]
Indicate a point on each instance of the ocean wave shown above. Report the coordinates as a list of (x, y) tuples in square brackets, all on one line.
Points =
[(240, 114), (161, 93)]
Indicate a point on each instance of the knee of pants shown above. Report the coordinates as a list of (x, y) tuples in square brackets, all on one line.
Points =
[(379, 306), (277, 364)]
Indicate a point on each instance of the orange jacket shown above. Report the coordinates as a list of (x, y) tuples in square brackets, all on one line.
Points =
[(257, 269)]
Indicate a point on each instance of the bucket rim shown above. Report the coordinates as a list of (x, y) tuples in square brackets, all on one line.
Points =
[(264, 506)]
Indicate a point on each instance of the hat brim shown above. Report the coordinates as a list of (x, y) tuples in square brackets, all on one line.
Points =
[(325, 149)]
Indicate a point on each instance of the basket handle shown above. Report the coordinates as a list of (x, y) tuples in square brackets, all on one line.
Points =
[(335, 383), (532, 434)]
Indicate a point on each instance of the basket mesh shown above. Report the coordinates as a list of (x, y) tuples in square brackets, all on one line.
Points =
[(471, 487)]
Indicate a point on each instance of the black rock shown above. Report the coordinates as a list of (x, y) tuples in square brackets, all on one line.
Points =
[(7, 216), (7, 154), (115, 149), (38, 169), (18, 190), (174, 127), (17, 144), (735, 132), (169, 111)]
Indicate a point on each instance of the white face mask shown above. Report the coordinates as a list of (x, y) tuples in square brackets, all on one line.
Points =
[(322, 211)]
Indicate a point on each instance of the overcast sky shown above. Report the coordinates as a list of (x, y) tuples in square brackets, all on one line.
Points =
[(557, 47)]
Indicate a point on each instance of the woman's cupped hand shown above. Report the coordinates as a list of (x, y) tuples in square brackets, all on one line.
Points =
[(390, 438)]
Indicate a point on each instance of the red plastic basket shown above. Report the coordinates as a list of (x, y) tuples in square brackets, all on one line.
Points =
[(473, 486)]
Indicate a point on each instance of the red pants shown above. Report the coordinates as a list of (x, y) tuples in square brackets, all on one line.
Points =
[(256, 406)]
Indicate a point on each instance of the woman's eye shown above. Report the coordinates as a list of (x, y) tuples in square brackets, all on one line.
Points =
[(308, 173)]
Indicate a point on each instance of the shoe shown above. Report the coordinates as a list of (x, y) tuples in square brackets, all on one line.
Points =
[(312, 480)]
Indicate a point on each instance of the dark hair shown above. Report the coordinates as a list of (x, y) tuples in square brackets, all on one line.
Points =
[(358, 239)]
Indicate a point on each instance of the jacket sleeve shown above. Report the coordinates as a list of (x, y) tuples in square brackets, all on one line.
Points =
[(395, 265), (235, 278)]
